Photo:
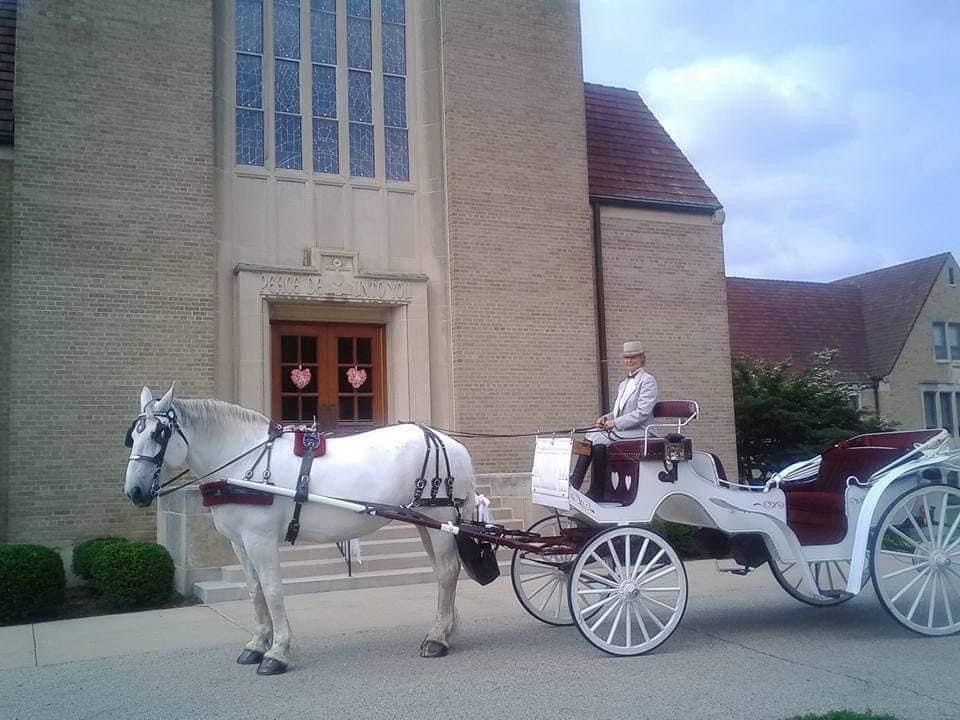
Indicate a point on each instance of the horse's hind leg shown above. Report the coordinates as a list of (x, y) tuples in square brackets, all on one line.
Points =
[(442, 549), (263, 627), (265, 559)]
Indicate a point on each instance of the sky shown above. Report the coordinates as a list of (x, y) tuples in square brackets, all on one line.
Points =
[(830, 131)]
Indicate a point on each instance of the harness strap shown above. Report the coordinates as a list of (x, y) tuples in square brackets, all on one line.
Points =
[(434, 444), (311, 439)]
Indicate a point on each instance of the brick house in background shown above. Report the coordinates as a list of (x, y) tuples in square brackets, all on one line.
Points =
[(216, 192), (897, 330)]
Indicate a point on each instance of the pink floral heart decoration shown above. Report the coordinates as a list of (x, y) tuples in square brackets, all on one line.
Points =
[(356, 377), (300, 377)]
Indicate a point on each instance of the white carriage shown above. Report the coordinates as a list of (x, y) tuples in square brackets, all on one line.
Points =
[(884, 506)]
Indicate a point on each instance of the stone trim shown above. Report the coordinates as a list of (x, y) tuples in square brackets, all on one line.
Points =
[(334, 289)]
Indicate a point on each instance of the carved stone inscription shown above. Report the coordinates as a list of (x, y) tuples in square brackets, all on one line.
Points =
[(335, 285)]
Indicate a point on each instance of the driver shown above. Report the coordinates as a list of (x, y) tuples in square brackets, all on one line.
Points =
[(632, 413)]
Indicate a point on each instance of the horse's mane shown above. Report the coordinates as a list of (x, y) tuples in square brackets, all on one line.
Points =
[(218, 412)]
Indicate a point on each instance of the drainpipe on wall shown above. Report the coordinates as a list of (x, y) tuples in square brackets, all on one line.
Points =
[(876, 395), (602, 370)]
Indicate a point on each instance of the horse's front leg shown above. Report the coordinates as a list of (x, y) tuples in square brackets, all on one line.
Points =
[(263, 626), (442, 549), (264, 556)]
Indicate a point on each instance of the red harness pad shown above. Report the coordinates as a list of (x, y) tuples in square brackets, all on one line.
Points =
[(219, 493), (319, 450)]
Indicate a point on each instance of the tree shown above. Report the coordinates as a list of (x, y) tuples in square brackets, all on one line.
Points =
[(784, 415)]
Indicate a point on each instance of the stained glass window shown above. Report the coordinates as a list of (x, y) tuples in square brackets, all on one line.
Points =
[(323, 49), (248, 29), (360, 87), (394, 56), (326, 146), (359, 96), (361, 150), (286, 84)]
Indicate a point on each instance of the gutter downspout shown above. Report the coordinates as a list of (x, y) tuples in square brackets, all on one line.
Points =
[(876, 395), (602, 369)]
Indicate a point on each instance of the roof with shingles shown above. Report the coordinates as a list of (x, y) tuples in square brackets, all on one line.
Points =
[(631, 156), (8, 34), (892, 299), (777, 320), (866, 317)]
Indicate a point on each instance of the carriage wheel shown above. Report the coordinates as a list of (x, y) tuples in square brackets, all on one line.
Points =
[(916, 560), (628, 591), (540, 581), (830, 577)]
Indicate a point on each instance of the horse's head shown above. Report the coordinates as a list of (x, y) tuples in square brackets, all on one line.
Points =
[(155, 441)]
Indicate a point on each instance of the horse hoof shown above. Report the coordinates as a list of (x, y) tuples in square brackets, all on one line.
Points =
[(269, 666), (250, 657), (432, 648)]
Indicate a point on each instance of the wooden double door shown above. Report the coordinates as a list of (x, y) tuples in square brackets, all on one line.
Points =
[(335, 373)]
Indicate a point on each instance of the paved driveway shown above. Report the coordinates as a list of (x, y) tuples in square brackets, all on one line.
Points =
[(744, 650)]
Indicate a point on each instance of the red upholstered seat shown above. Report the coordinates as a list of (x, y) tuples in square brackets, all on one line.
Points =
[(815, 508)]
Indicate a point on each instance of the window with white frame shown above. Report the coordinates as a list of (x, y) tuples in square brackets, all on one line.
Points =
[(941, 409), (276, 74)]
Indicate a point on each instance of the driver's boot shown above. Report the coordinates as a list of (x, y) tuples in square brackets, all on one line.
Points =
[(601, 479), (580, 471)]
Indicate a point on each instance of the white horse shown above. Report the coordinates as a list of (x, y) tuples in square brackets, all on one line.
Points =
[(380, 466)]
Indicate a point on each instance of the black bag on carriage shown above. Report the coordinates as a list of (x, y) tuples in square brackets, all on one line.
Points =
[(479, 559)]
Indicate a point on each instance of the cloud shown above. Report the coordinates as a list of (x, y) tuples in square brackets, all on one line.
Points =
[(827, 131)]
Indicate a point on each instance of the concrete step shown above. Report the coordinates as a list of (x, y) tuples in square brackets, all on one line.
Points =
[(213, 591)]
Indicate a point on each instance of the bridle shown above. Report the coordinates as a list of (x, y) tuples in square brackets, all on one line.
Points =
[(167, 424)]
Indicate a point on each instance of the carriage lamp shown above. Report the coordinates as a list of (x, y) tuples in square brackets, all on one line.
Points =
[(673, 448)]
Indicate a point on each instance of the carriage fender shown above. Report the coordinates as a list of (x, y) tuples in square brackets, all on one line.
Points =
[(898, 480)]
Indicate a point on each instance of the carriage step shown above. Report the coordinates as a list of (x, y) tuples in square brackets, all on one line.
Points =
[(213, 591)]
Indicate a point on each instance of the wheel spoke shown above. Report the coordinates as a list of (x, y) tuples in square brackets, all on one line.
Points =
[(531, 578), (659, 574), (909, 585), (613, 606), (946, 600), (596, 606), (602, 580), (650, 564), (616, 559), (901, 571), (943, 519), (916, 600), (643, 551), (913, 521), (616, 621), (902, 534), (541, 588), (651, 613), (641, 623), (897, 553), (953, 528), (933, 601), (554, 584), (671, 608), (603, 562)]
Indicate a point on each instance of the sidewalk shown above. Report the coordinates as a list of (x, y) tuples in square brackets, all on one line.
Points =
[(317, 615)]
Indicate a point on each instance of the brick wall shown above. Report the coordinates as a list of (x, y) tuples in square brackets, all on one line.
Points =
[(664, 285), (6, 191), (521, 270), (916, 370), (113, 252)]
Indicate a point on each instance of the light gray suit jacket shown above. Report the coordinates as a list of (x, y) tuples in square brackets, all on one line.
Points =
[(632, 410)]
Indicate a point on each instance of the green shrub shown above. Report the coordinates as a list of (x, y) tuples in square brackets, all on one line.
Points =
[(133, 574), (679, 536), (33, 582), (85, 552)]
